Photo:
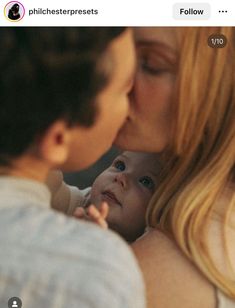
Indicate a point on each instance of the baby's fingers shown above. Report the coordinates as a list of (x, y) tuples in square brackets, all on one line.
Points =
[(104, 209), (96, 216)]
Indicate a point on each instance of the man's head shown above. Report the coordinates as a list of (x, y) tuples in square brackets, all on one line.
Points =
[(127, 186), (50, 79)]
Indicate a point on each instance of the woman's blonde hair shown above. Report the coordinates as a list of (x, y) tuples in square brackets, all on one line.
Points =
[(200, 162)]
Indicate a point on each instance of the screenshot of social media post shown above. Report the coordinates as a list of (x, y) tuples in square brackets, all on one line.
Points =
[(117, 154)]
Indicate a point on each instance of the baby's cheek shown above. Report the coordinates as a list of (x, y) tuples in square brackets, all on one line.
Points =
[(116, 218), (144, 200), (95, 198)]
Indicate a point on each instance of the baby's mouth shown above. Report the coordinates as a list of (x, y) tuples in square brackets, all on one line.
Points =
[(110, 196)]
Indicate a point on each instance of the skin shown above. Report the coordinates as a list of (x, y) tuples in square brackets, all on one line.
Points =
[(171, 279), (150, 99), (132, 178)]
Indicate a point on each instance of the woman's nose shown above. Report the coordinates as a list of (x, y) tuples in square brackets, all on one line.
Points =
[(121, 179)]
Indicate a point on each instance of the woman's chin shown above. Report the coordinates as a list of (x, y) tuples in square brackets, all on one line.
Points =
[(123, 142), (135, 141), (124, 138)]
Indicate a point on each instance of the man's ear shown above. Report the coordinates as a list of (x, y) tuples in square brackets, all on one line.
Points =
[(54, 145)]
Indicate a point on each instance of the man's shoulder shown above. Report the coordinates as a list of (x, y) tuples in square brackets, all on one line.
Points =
[(47, 229), (77, 256), (51, 229)]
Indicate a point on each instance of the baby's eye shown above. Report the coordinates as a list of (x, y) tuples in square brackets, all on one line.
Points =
[(147, 182), (120, 165)]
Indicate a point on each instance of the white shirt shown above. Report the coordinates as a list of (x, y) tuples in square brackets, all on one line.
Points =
[(53, 261)]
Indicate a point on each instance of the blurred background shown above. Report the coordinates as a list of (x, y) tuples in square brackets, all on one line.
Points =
[(86, 177)]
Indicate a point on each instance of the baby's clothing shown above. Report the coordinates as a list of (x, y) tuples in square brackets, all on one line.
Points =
[(78, 198), (67, 198)]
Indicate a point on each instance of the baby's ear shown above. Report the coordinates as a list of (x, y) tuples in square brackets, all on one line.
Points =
[(54, 144)]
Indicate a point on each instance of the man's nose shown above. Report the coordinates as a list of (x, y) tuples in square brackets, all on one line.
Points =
[(121, 179), (131, 94)]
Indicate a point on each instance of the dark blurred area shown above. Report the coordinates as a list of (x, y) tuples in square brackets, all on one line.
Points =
[(86, 177)]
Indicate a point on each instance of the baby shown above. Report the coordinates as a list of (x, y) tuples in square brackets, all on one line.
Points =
[(126, 186)]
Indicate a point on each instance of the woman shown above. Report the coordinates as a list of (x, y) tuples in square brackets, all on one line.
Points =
[(183, 102)]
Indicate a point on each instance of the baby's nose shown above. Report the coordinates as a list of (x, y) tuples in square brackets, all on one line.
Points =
[(121, 179)]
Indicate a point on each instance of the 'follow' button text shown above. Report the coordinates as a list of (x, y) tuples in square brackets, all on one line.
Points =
[(191, 11)]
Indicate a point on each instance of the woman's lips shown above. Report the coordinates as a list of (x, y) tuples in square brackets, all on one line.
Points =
[(110, 196)]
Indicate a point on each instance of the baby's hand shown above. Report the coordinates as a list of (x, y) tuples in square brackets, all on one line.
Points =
[(94, 215)]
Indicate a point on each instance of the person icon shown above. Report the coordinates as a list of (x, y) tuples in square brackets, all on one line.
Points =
[(14, 12), (14, 304)]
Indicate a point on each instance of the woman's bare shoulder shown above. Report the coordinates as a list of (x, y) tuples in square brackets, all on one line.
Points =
[(172, 281)]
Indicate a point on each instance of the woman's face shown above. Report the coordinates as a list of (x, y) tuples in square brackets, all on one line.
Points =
[(148, 126)]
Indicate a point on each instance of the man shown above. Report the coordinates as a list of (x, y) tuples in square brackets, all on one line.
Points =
[(63, 98)]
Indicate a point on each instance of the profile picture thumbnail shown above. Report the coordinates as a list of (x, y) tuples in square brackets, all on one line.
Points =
[(14, 11)]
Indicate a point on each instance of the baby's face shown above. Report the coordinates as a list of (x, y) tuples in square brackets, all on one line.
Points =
[(127, 186)]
